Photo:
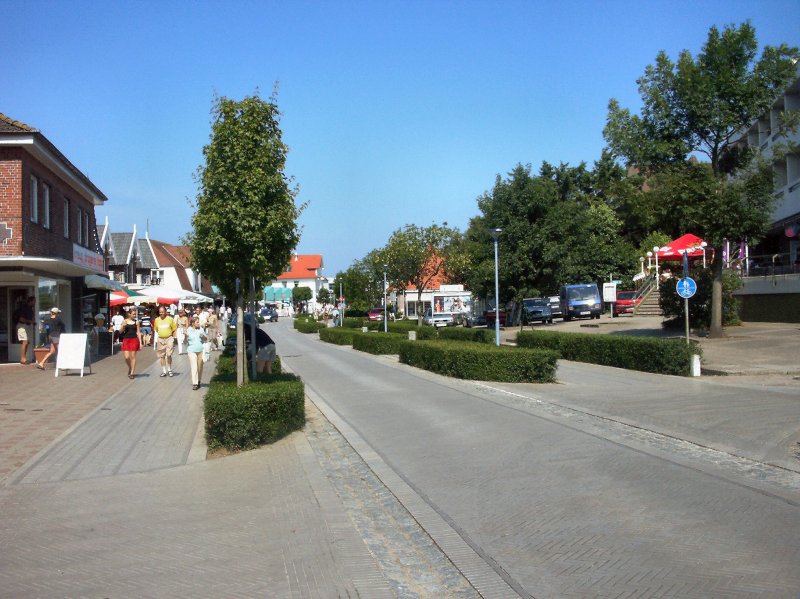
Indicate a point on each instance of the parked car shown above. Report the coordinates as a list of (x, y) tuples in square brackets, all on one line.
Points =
[(443, 319), (489, 315), (536, 309), (626, 302), (474, 320), (269, 313), (375, 314), (555, 306)]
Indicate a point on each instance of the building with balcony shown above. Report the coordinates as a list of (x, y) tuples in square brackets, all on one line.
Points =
[(771, 269)]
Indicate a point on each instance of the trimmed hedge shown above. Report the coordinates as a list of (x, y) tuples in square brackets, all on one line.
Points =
[(354, 323), (459, 334), (304, 325), (260, 412), (480, 362), (380, 343), (227, 365), (648, 354), (339, 335)]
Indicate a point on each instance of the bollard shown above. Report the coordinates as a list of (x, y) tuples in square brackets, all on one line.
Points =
[(412, 335), (695, 365)]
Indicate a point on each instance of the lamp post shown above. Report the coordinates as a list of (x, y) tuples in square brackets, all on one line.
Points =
[(649, 261), (495, 235), (655, 255), (703, 245), (641, 263), (385, 307)]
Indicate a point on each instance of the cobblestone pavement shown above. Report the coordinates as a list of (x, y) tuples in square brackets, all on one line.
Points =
[(414, 566), (37, 407)]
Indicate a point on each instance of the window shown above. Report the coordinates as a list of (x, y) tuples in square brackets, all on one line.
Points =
[(80, 226), (86, 228), (46, 206), (34, 200), (66, 218)]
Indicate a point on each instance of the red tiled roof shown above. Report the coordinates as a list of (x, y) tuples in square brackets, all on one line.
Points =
[(302, 266)]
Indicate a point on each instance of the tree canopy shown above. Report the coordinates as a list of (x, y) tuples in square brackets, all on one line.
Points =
[(245, 222)]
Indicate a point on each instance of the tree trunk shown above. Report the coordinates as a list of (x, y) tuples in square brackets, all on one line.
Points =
[(241, 359), (716, 297)]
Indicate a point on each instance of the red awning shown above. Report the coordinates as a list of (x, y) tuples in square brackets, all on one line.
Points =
[(675, 249)]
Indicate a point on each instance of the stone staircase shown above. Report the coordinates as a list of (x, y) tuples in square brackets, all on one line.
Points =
[(649, 305)]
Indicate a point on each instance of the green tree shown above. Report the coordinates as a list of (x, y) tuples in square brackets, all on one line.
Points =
[(417, 256), (324, 296), (301, 295), (360, 283), (697, 107), (245, 221), (557, 229)]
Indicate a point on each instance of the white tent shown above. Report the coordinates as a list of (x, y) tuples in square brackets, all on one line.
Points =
[(166, 295)]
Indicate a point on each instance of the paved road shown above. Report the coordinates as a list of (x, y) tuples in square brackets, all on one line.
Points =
[(563, 491)]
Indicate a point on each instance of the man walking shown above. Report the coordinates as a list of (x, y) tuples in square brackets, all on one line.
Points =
[(166, 329)]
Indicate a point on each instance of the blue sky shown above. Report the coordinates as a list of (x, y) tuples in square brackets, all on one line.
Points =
[(394, 112)]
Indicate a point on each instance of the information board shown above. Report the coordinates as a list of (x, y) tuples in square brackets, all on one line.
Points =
[(72, 352)]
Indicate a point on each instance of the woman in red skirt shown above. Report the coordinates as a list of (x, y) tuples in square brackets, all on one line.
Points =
[(131, 340)]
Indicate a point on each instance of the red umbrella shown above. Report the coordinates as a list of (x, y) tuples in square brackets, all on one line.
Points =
[(675, 249)]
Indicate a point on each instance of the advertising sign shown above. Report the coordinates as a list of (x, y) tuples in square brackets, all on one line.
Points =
[(452, 304), (610, 293)]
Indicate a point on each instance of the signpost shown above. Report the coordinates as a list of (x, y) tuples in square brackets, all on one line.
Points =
[(686, 288), (73, 353), (610, 294)]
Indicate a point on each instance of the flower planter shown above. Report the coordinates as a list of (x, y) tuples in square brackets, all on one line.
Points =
[(40, 352)]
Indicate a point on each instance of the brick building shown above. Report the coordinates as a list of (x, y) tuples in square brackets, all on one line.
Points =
[(48, 242)]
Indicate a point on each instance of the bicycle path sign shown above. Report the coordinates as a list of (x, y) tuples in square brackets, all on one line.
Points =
[(686, 287)]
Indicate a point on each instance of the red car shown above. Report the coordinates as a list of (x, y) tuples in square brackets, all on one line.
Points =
[(626, 302), (489, 315), (375, 314)]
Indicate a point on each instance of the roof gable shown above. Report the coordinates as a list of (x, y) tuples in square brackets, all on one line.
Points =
[(303, 266)]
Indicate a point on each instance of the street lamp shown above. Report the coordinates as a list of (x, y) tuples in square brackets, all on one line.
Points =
[(385, 307), (703, 246), (649, 261), (641, 263), (655, 255), (495, 233)]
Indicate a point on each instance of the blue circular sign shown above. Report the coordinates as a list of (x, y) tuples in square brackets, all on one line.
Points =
[(686, 287)]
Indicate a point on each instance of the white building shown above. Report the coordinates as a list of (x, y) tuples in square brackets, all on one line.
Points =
[(305, 270)]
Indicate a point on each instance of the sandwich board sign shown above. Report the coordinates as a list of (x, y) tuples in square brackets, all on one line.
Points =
[(72, 352)]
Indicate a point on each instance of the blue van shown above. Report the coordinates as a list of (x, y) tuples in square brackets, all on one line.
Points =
[(581, 301)]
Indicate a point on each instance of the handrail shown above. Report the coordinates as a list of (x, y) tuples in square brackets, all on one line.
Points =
[(646, 287)]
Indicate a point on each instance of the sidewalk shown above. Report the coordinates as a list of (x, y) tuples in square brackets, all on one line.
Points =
[(106, 492)]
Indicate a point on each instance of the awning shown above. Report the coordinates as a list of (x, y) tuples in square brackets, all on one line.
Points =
[(269, 294), (674, 250), (50, 266), (101, 282)]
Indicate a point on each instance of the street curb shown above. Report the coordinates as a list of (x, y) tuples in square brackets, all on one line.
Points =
[(481, 575)]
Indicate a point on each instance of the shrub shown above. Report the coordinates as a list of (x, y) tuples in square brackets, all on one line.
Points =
[(339, 335), (648, 354), (354, 323), (380, 343), (260, 412), (227, 364), (477, 335), (475, 361), (305, 325)]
